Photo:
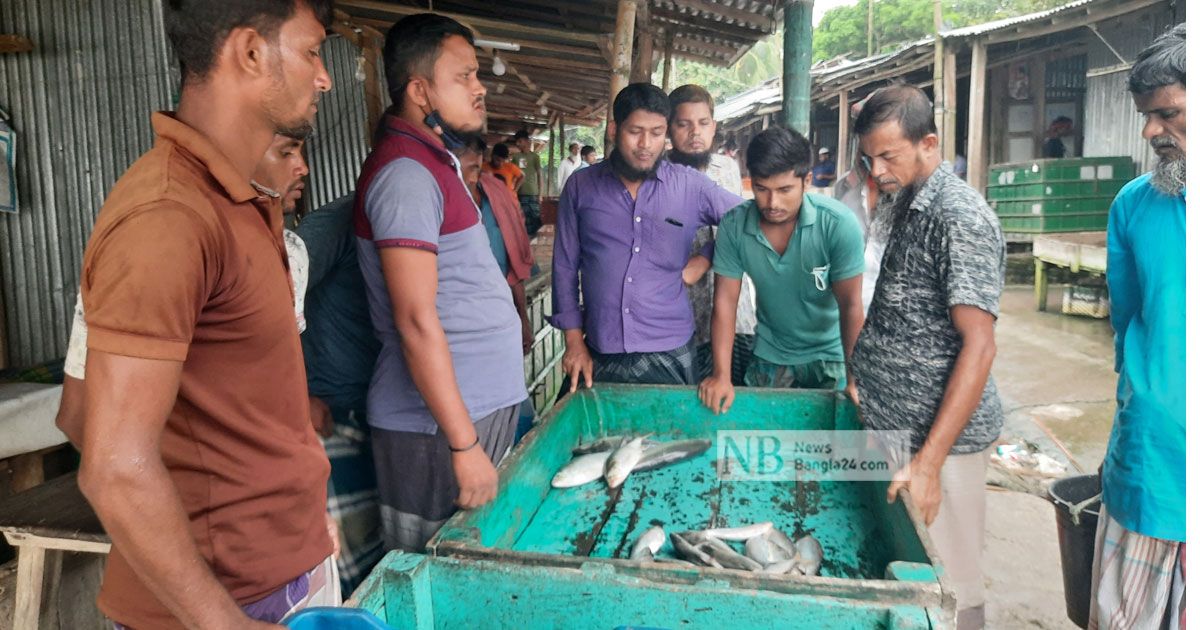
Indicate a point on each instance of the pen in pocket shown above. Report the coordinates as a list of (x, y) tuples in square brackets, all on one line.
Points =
[(674, 222)]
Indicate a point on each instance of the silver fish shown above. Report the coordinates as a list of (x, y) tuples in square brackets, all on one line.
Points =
[(661, 454), (742, 533), (727, 557), (581, 470), (808, 550), (782, 541), (622, 461), (648, 544), (765, 552), (780, 568), (608, 444), (691, 553)]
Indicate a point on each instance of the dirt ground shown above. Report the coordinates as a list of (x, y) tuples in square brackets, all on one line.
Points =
[(1043, 359)]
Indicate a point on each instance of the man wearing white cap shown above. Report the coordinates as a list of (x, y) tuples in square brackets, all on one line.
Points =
[(824, 172)]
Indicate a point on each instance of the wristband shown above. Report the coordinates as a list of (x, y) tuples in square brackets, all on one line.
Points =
[(466, 448)]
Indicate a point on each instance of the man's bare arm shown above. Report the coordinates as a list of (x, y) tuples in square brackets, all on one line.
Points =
[(127, 402)]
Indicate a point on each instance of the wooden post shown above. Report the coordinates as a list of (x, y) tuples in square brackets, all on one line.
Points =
[(375, 100), (644, 60), (797, 64), (939, 97), (950, 105), (976, 156), (1039, 282), (870, 27), (843, 139), (562, 136), (1037, 89), (622, 52), (552, 165), (668, 53), (3, 335)]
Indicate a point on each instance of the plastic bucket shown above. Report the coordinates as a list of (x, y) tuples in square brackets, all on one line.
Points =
[(1076, 542)]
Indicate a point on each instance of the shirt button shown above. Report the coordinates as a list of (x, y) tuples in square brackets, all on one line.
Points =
[(626, 311), (637, 219), (637, 249), (629, 279)]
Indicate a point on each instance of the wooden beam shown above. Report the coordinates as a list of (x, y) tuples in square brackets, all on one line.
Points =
[(950, 105), (976, 156), (15, 43), (686, 22), (843, 143), (1065, 23), (701, 46), (388, 8), (533, 61), (668, 53), (644, 58), (622, 46)]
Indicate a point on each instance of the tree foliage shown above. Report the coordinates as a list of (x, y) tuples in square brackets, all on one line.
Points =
[(843, 30)]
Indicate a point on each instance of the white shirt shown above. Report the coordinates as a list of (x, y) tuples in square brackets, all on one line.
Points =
[(75, 365), (569, 165), (725, 171)]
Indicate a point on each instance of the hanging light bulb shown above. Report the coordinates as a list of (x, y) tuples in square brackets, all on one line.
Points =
[(498, 67), (545, 110)]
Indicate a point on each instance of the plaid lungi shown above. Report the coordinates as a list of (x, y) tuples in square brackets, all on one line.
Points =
[(1137, 581), (353, 497), (673, 367)]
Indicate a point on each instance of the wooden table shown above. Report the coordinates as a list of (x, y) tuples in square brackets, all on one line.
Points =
[(1078, 251), (42, 523)]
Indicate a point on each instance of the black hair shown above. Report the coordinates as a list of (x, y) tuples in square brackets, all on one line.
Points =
[(198, 28), (1162, 63), (644, 96), (521, 135), (690, 93), (777, 150), (730, 144), (412, 47), (902, 103), (1061, 119), (473, 144), (587, 150), (500, 150)]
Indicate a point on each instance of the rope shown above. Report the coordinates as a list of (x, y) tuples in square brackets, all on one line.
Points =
[(1074, 509)]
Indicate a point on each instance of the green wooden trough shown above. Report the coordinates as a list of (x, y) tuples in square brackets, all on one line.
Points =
[(546, 557)]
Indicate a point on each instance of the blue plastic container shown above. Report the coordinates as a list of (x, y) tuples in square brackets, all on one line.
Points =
[(330, 618)]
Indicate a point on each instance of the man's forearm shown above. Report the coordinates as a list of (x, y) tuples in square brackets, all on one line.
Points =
[(518, 293), (427, 353), (142, 513), (723, 331), (963, 392), (850, 322)]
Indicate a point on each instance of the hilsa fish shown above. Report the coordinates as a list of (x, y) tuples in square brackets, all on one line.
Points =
[(648, 544), (622, 461), (581, 470)]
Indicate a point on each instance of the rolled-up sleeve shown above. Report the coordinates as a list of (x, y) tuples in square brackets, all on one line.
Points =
[(715, 203), (566, 313)]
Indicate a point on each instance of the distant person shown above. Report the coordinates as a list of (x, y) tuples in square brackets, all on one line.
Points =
[(1054, 146), (960, 166), (1138, 576), (824, 172), (502, 167), (589, 155), (569, 164), (530, 189)]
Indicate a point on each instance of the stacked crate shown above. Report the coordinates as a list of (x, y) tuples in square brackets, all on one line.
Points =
[(1057, 195)]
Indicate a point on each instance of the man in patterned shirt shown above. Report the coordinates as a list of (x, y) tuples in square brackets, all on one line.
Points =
[(922, 363)]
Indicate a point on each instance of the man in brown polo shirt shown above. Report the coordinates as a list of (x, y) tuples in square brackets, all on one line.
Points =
[(197, 452)]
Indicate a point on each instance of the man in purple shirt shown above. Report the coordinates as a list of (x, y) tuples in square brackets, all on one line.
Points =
[(625, 228)]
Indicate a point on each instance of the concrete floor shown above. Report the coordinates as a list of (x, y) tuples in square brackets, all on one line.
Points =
[(1043, 359)]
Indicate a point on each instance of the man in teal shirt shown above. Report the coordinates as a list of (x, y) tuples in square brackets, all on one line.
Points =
[(1138, 576), (804, 253)]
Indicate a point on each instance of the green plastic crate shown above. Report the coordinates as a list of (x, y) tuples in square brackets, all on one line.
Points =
[(1067, 189), (1089, 205), (1118, 168), (1039, 224)]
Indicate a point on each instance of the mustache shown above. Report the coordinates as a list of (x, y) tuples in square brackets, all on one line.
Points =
[(1163, 142)]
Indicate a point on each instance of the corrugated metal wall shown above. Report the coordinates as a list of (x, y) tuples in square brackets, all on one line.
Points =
[(1112, 125), (338, 146), (80, 104)]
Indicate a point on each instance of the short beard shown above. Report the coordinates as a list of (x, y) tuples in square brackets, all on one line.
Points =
[(627, 171), (698, 161), (1169, 176)]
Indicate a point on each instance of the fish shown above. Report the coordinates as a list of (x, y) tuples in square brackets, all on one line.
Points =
[(727, 557), (648, 543), (782, 541), (608, 444), (764, 551), (691, 553), (661, 454), (783, 567), (622, 461), (742, 533), (581, 470), (810, 555)]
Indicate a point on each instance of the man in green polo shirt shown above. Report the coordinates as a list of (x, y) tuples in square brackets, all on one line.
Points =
[(804, 253)]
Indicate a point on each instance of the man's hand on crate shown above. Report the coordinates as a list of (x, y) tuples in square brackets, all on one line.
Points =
[(577, 360), (476, 476), (924, 482)]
